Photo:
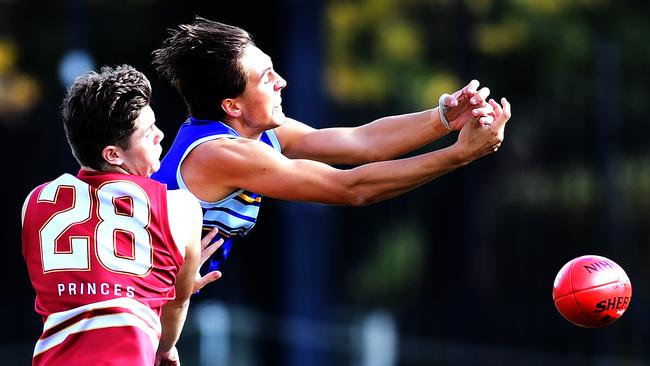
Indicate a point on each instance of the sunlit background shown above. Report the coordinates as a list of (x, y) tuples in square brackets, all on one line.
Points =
[(457, 272)]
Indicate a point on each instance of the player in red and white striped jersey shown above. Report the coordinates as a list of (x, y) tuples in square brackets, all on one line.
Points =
[(112, 276)]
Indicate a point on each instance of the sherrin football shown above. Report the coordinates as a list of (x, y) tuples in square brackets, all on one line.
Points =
[(592, 291)]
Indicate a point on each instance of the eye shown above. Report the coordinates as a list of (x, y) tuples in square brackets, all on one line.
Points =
[(149, 132), (267, 78)]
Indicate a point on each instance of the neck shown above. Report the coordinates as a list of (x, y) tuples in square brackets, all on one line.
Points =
[(108, 169), (243, 129)]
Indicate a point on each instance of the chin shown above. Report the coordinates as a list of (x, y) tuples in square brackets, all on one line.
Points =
[(152, 169), (278, 119)]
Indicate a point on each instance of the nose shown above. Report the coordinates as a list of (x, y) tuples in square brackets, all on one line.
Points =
[(160, 134), (280, 83)]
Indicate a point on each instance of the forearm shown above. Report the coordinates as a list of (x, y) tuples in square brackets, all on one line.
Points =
[(395, 177), (172, 319), (383, 139), (309, 181), (383, 180), (394, 136)]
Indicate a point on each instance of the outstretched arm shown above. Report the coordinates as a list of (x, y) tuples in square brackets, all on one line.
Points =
[(254, 166), (385, 138)]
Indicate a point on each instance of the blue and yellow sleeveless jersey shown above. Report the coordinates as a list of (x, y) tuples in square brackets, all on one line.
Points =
[(236, 214)]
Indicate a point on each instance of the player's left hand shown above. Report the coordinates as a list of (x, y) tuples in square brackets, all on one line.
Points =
[(467, 104), (169, 358), (207, 250)]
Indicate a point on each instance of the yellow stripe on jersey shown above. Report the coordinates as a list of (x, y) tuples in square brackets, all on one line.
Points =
[(207, 229), (249, 199)]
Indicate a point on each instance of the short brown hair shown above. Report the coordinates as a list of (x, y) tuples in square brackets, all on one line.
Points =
[(100, 110), (202, 60)]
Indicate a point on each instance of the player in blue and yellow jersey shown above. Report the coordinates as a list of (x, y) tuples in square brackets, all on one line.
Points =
[(236, 213), (237, 139)]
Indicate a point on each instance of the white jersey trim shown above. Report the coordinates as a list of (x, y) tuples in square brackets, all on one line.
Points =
[(179, 176), (274, 140), (140, 316)]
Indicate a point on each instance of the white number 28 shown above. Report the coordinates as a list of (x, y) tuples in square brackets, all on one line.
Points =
[(133, 225)]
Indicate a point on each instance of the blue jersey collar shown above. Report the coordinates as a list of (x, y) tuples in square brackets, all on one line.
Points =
[(195, 121)]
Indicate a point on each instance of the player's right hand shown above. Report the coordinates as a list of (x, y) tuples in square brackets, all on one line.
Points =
[(477, 139), (467, 104), (207, 250)]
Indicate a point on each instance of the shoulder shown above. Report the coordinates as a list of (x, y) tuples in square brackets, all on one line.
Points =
[(291, 131), (230, 150), (26, 202), (181, 200), (184, 215), (38, 189), (183, 208)]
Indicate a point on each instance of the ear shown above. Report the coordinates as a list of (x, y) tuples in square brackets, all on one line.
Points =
[(232, 107), (113, 155)]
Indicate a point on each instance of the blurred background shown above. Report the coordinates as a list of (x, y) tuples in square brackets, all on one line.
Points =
[(456, 272)]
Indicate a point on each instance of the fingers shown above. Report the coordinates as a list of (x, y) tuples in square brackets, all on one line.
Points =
[(472, 92), (501, 113), (485, 114), (486, 110), (469, 91), (448, 101), (471, 88), (496, 107), (208, 237), (505, 114), (481, 96), (506, 109), (486, 120), (207, 279), (207, 251), (217, 244)]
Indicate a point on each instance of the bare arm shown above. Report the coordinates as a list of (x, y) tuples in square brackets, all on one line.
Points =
[(254, 166), (383, 139), (185, 220)]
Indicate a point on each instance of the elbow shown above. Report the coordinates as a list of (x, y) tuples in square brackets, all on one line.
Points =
[(362, 202), (356, 201), (354, 190), (358, 197)]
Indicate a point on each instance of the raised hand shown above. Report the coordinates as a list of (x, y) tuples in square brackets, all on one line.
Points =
[(477, 139), (501, 115), (207, 250), (467, 104)]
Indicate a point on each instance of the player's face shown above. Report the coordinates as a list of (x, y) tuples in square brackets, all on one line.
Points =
[(143, 156), (261, 101)]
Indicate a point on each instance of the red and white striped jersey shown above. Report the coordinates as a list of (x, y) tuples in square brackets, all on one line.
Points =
[(102, 261)]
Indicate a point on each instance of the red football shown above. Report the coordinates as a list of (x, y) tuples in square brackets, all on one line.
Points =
[(592, 291)]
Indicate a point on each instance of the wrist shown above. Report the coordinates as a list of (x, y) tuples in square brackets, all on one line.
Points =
[(442, 108), (438, 125), (164, 349), (461, 156)]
